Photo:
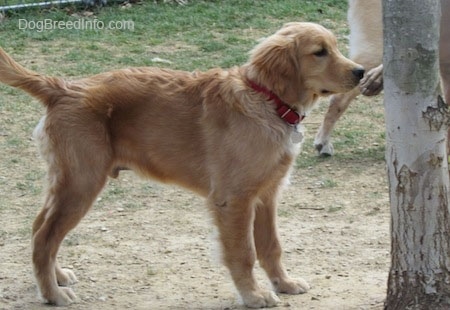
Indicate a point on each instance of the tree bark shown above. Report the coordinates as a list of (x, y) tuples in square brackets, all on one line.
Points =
[(416, 159)]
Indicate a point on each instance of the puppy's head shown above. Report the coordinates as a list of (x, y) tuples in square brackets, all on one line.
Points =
[(301, 62)]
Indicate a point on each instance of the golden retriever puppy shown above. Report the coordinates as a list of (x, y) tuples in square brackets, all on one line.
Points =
[(366, 48), (229, 135)]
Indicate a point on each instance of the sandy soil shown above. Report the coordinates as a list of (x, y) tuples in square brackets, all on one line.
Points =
[(148, 246)]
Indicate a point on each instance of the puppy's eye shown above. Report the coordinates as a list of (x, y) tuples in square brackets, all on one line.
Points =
[(321, 53)]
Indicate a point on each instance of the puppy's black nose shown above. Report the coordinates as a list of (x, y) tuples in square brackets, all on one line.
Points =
[(358, 72)]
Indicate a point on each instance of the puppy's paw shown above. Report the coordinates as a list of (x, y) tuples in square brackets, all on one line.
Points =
[(62, 296), (65, 277), (260, 299), (69, 295), (289, 286)]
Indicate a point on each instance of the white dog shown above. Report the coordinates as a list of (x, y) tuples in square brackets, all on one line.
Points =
[(366, 48)]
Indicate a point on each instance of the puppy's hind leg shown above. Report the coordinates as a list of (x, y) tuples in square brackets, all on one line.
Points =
[(65, 277), (68, 201), (78, 168)]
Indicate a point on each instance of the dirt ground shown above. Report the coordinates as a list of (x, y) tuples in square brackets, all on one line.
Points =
[(150, 246)]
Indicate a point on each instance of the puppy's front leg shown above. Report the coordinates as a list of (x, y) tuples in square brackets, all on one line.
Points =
[(234, 219), (269, 251)]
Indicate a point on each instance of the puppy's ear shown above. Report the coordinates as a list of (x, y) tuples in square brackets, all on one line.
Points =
[(277, 66)]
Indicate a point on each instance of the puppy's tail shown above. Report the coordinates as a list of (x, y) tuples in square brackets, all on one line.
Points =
[(47, 89)]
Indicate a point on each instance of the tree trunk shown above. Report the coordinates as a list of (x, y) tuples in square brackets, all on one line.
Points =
[(416, 126)]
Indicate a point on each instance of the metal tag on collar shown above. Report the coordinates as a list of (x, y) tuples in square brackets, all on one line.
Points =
[(296, 135)]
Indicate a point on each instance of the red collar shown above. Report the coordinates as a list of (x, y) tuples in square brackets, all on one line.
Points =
[(283, 110)]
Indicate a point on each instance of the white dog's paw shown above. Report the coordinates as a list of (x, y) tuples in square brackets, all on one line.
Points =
[(261, 299), (62, 296), (65, 277), (372, 83), (69, 295), (324, 148), (292, 287)]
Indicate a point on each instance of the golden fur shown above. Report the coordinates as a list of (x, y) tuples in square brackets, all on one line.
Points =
[(206, 131)]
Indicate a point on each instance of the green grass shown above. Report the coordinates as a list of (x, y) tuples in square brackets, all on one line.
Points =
[(358, 138), (328, 183), (199, 35)]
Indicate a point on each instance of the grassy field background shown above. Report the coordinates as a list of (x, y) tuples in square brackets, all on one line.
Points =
[(199, 35)]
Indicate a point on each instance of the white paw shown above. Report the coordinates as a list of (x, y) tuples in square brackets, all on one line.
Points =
[(65, 277), (261, 299), (324, 149), (292, 287), (63, 296)]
